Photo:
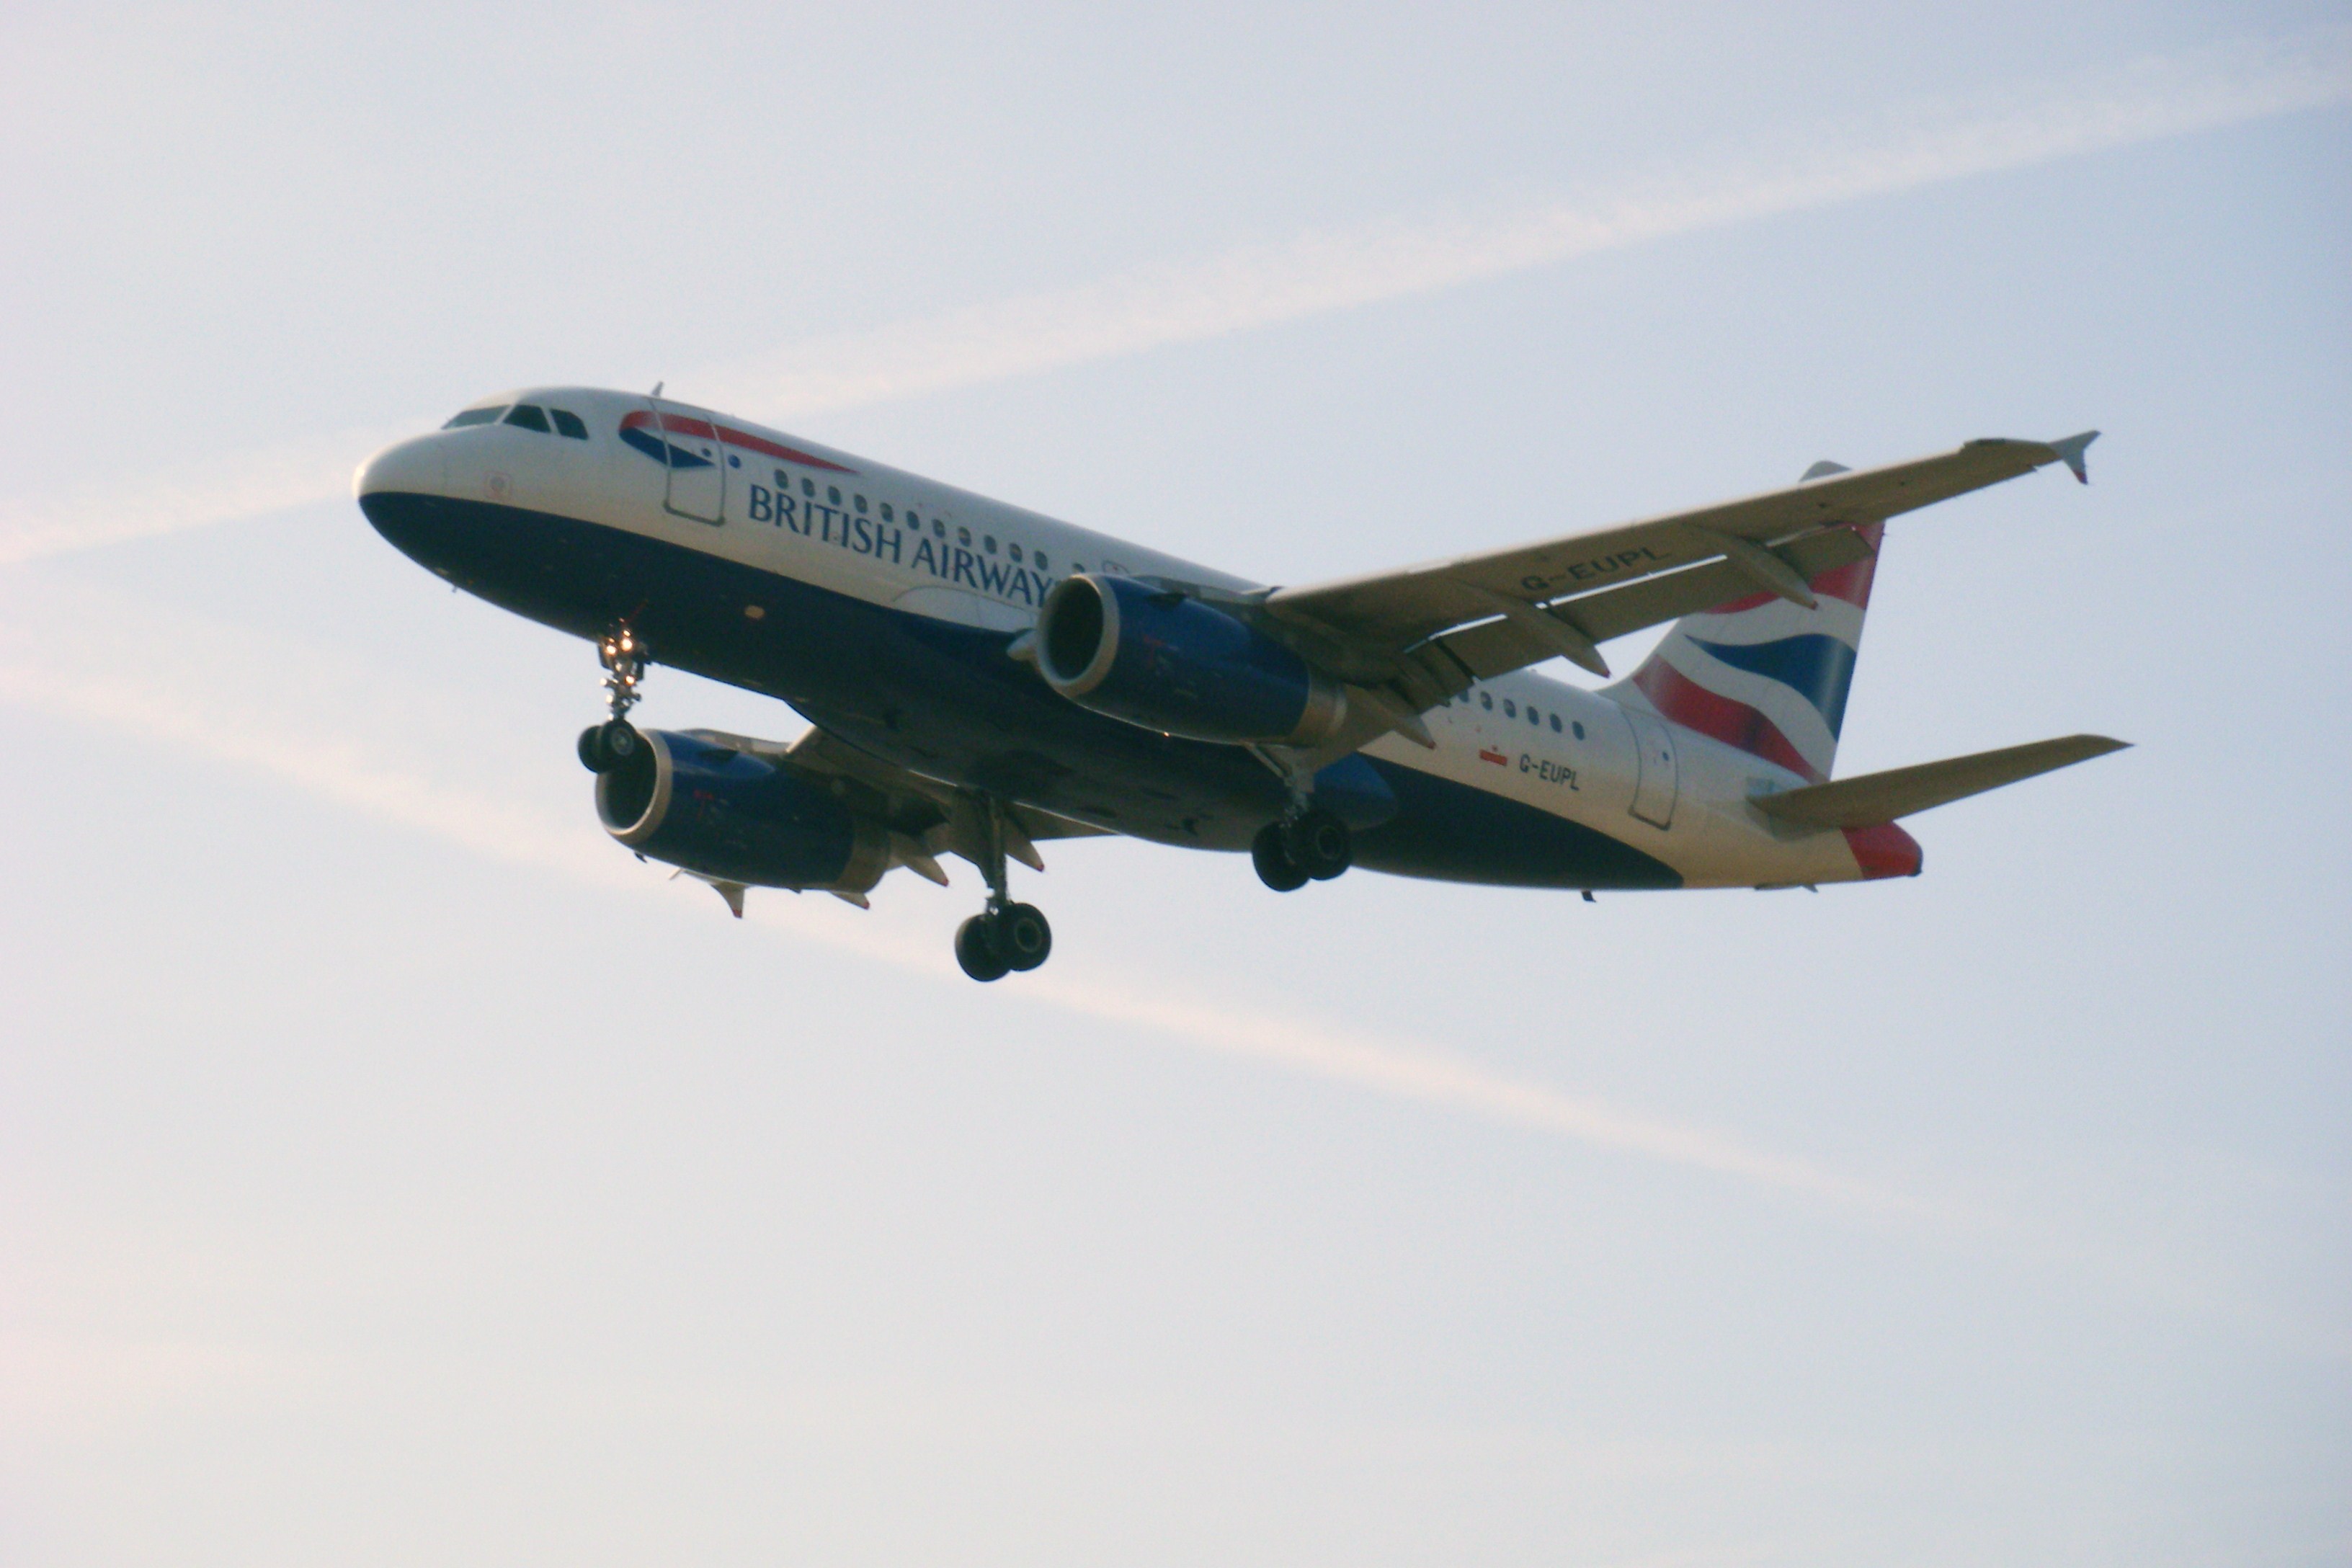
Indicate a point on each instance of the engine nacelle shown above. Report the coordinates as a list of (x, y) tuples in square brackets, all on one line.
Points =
[(1175, 664), (735, 817)]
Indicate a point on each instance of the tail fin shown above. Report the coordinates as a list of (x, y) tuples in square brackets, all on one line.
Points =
[(1763, 673)]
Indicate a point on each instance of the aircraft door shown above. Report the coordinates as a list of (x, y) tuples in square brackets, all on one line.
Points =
[(1656, 783), (695, 484)]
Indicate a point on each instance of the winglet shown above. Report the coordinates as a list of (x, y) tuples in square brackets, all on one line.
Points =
[(2069, 451)]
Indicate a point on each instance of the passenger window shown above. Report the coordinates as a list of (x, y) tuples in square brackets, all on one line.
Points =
[(1015, 550), (477, 416), (1039, 562), (963, 536), (1535, 717), (531, 416), (1510, 708), (833, 494), (808, 488), (990, 542), (1555, 724), (1487, 700), (569, 424), (886, 511), (861, 503), (939, 529), (1579, 731)]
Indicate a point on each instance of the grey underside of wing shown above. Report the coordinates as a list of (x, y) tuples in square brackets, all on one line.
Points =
[(1902, 792), (1398, 610), (905, 800)]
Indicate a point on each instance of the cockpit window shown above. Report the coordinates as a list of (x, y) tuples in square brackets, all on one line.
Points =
[(569, 424), (531, 416), (477, 416)]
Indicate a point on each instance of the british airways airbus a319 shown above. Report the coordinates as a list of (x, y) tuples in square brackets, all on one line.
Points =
[(980, 677)]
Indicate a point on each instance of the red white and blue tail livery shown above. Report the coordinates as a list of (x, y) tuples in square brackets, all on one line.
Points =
[(980, 677)]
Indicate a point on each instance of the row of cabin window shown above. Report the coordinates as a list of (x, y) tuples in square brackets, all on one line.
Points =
[(527, 416), (531, 416), (939, 529), (1511, 710)]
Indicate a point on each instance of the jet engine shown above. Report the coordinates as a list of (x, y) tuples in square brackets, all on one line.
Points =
[(1181, 665), (731, 816)]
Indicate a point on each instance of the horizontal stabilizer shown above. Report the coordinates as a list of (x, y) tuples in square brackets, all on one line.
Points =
[(1875, 798)]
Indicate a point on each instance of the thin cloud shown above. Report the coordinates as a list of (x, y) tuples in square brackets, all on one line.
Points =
[(1405, 1072), (1261, 286), (1264, 285), (240, 485), (135, 668)]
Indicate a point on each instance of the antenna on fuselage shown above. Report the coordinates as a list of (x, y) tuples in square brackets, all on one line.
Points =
[(657, 386)]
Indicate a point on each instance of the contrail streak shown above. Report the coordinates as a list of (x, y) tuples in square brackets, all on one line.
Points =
[(132, 666), (1262, 285)]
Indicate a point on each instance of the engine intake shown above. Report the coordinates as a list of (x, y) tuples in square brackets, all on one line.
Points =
[(1173, 663), (735, 817)]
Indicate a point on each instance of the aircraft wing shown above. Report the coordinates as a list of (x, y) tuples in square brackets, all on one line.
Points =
[(934, 817), (1428, 630)]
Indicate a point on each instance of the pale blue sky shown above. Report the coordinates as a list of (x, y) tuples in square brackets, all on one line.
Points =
[(392, 1170)]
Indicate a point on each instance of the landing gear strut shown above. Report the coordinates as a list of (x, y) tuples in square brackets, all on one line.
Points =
[(1005, 936), (606, 746), (1308, 843)]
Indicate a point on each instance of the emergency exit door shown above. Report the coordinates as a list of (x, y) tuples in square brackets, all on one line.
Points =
[(1657, 782)]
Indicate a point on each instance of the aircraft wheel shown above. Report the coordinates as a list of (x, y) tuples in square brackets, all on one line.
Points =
[(604, 747), (975, 949), (1319, 844), (1023, 940), (1275, 867)]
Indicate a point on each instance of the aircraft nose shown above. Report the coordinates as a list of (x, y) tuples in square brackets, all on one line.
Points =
[(416, 466)]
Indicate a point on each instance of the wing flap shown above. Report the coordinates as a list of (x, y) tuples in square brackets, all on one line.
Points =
[(1496, 647), (1873, 798)]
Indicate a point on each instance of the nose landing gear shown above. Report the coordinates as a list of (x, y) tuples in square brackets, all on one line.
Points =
[(606, 746), (1005, 936)]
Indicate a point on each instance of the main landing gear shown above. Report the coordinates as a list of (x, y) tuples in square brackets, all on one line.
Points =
[(1309, 845), (606, 746), (1005, 936)]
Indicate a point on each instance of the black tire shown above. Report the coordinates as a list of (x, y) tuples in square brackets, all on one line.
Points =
[(1024, 939), (975, 949), (1319, 844), (1275, 867), (606, 746)]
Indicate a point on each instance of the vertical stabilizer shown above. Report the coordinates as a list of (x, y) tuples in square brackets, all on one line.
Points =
[(1764, 673)]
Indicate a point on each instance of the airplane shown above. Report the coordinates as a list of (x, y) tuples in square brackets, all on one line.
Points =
[(980, 677)]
